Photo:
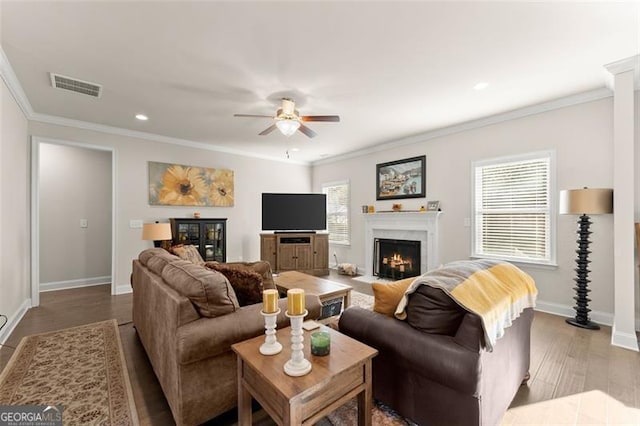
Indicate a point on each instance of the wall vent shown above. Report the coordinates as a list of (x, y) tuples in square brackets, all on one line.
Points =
[(73, 84)]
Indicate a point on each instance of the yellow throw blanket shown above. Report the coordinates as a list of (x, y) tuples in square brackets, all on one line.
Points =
[(495, 291)]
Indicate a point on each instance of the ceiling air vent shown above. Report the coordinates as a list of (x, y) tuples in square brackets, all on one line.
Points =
[(73, 84)]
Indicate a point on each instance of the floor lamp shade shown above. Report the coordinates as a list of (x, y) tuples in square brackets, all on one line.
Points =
[(156, 232), (584, 202)]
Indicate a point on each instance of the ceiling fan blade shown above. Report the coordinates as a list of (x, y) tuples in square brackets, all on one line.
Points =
[(268, 130), (253, 115), (307, 131), (332, 118)]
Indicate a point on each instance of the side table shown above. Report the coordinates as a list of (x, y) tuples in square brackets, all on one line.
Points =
[(333, 380)]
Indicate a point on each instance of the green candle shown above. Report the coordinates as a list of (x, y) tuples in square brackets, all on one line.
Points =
[(320, 343)]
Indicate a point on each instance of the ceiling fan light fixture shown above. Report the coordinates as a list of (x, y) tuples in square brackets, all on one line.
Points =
[(288, 126)]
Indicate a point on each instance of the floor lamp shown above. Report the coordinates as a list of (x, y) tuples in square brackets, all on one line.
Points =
[(584, 202)]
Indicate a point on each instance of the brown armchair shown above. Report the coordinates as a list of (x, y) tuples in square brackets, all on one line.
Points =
[(442, 379)]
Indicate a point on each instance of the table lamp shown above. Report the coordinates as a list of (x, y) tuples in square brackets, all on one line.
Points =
[(157, 232), (584, 202)]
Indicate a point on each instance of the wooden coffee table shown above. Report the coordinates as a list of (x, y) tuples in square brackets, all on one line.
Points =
[(333, 380), (326, 290)]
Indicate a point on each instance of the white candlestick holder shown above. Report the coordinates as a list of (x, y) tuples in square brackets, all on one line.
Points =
[(297, 365), (271, 346)]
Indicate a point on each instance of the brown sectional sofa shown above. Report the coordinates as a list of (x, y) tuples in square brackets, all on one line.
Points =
[(188, 339), (442, 377)]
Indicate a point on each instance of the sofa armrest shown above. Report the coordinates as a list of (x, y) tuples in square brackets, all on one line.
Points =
[(209, 337), (436, 357)]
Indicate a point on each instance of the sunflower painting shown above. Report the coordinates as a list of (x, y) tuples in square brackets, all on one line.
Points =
[(178, 185)]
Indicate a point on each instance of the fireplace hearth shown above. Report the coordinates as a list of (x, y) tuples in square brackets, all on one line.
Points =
[(396, 259)]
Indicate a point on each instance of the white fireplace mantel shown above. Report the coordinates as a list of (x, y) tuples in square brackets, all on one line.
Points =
[(417, 226)]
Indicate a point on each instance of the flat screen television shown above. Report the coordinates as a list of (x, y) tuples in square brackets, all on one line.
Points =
[(294, 212)]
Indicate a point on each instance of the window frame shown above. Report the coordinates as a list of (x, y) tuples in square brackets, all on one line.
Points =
[(348, 206), (552, 207)]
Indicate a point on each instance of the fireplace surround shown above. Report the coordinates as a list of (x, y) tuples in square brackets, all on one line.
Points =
[(421, 226)]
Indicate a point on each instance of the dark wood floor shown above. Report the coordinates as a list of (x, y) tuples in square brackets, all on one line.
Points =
[(565, 361)]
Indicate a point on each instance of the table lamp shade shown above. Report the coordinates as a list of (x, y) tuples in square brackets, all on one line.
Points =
[(586, 201), (156, 231)]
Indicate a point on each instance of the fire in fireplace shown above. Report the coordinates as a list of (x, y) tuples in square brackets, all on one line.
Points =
[(396, 259)]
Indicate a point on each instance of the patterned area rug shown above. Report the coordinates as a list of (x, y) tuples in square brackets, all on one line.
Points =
[(381, 415), (362, 300), (81, 368)]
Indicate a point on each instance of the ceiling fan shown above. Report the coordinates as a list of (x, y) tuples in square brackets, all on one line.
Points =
[(288, 120)]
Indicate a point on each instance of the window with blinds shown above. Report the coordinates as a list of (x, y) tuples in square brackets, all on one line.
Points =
[(337, 211), (513, 216)]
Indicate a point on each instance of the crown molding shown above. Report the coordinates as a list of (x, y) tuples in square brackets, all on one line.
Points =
[(15, 88), (631, 63), (13, 84), (103, 128), (576, 99), (10, 78)]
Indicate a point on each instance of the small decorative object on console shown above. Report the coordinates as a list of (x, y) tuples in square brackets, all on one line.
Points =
[(396, 207), (433, 206)]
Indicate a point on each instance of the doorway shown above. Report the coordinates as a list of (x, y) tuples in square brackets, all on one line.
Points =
[(72, 215)]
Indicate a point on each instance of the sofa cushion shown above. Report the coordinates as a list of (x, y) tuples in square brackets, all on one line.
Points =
[(160, 260), (208, 290), (433, 311), (188, 252), (246, 283), (147, 254), (388, 295)]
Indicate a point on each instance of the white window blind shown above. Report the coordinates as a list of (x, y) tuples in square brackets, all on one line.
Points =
[(337, 211), (513, 208)]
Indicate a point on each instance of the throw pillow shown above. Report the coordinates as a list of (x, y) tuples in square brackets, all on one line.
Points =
[(188, 252), (261, 267), (209, 291), (388, 295), (246, 283)]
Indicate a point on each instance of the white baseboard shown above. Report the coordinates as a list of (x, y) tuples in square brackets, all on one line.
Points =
[(624, 340), (603, 318), (14, 320), (82, 282), (124, 289)]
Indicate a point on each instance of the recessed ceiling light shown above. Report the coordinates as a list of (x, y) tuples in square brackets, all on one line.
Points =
[(142, 117), (295, 149), (481, 86)]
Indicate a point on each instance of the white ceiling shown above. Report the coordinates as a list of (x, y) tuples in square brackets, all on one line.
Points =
[(389, 69)]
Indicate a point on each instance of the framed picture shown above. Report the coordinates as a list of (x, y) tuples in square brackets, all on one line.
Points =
[(433, 206), (401, 179), (181, 185)]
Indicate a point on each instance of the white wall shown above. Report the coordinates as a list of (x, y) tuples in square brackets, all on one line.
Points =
[(252, 177), (75, 184), (14, 211), (581, 136)]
